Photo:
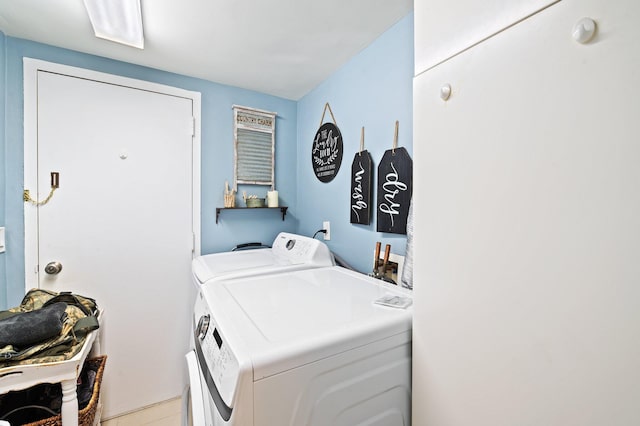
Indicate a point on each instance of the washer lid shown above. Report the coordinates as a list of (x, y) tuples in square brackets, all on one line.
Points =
[(290, 251), (218, 265), (289, 319)]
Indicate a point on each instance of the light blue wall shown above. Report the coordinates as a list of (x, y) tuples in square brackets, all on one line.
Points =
[(374, 89), (217, 155)]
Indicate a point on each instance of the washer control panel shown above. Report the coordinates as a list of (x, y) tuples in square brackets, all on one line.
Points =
[(294, 249), (223, 365)]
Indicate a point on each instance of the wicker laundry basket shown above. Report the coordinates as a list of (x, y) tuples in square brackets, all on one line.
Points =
[(87, 415)]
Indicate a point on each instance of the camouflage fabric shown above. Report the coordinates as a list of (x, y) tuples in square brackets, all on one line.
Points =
[(81, 319)]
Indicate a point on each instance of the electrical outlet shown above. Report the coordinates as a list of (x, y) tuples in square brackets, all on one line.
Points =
[(326, 225)]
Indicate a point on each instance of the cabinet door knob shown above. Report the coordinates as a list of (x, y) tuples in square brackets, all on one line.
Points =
[(445, 92), (584, 30)]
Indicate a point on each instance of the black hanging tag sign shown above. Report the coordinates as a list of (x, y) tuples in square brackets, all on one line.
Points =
[(326, 153), (395, 185), (361, 169)]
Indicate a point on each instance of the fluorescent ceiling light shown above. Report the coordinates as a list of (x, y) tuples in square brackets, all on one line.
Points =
[(117, 20)]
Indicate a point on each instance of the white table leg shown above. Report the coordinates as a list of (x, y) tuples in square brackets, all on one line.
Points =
[(69, 410)]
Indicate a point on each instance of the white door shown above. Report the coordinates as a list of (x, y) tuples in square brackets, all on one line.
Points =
[(121, 223)]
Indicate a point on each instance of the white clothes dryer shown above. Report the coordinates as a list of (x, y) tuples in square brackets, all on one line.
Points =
[(308, 347)]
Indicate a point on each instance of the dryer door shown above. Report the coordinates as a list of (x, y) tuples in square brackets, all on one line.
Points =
[(194, 407)]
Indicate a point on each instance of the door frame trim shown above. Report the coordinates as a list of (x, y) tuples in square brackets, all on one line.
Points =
[(31, 67)]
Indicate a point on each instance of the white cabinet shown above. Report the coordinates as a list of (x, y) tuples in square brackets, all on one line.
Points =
[(446, 27), (526, 273)]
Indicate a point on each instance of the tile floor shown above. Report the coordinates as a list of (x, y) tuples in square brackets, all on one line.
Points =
[(164, 414)]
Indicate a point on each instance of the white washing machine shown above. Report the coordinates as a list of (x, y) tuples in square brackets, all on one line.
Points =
[(308, 347), (288, 252)]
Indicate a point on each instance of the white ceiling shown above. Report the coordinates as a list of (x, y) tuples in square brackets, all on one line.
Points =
[(279, 47)]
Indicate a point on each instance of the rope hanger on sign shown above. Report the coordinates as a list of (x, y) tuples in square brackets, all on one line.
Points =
[(395, 139), (327, 106)]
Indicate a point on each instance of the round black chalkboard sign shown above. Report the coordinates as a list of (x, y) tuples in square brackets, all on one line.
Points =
[(326, 154)]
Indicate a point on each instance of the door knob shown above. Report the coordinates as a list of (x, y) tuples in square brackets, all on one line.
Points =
[(53, 268)]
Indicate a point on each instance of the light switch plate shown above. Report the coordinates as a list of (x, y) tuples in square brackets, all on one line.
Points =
[(2, 239)]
